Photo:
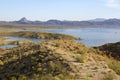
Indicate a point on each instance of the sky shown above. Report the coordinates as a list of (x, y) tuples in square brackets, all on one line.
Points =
[(58, 9)]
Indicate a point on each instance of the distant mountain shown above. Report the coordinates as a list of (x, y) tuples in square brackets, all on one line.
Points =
[(22, 21), (98, 20), (95, 22)]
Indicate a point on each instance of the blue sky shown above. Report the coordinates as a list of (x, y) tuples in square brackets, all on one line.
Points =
[(59, 9)]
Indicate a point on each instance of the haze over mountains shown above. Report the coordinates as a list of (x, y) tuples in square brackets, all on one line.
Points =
[(95, 22)]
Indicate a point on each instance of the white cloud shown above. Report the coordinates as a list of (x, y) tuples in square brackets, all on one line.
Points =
[(113, 3)]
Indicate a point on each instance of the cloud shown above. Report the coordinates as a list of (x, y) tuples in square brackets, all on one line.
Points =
[(113, 3)]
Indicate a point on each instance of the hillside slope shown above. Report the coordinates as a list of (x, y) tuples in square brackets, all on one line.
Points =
[(55, 60)]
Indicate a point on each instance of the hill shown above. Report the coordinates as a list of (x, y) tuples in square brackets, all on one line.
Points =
[(111, 49), (55, 60)]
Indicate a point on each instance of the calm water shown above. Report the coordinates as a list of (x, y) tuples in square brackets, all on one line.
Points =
[(91, 36), (8, 46), (10, 38), (17, 39)]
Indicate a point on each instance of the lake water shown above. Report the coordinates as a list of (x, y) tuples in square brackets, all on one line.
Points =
[(10, 38), (8, 46), (91, 36)]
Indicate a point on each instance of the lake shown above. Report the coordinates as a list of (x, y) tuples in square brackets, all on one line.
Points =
[(91, 36), (8, 46), (11, 38)]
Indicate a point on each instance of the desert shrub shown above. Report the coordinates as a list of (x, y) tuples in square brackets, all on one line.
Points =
[(80, 58), (22, 77), (108, 76), (1, 62), (115, 65), (13, 78), (46, 77), (81, 51), (65, 77), (52, 66)]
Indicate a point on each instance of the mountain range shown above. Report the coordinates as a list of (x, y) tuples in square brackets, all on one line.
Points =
[(94, 22)]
